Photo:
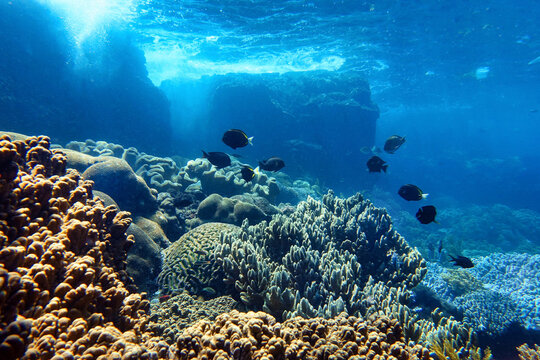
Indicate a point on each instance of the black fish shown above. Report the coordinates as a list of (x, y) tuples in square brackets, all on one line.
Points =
[(236, 138), (247, 173), (376, 164), (426, 214), (218, 159), (272, 164), (411, 193), (393, 143), (462, 261)]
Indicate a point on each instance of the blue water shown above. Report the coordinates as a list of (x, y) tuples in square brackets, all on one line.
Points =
[(316, 83)]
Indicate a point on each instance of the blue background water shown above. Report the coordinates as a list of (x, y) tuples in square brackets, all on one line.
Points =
[(451, 76)]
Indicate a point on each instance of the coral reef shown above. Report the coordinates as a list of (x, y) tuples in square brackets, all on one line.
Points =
[(64, 289), (170, 317), (526, 353), (187, 263), (516, 277), (216, 208), (228, 181), (488, 296), (316, 261), (258, 336), (485, 230)]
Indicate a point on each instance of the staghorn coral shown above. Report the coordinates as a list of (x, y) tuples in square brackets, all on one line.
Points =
[(317, 260), (169, 318), (258, 336), (188, 262), (526, 353), (64, 290)]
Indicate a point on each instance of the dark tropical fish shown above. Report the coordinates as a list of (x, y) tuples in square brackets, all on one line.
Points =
[(462, 261), (426, 214), (272, 164), (236, 138), (376, 164), (393, 143), (248, 173), (218, 159), (411, 192)]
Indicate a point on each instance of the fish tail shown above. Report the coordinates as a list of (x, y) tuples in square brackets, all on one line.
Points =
[(257, 170), (424, 196), (250, 140), (384, 167)]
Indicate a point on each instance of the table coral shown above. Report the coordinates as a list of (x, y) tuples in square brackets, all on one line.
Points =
[(64, 290), (258, 336)]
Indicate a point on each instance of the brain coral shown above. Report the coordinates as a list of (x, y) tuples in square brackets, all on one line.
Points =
[(64, 291), (188, 263), (258, 336)]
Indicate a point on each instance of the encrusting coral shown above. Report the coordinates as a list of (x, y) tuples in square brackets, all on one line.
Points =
[(258, 336), (64, 291), (171, 316)]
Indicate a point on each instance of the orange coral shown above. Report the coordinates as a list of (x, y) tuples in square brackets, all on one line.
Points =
[(258, 336), (64, 291), (526, 353)]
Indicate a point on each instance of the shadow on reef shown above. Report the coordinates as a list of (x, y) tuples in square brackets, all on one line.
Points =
[(504, 345)]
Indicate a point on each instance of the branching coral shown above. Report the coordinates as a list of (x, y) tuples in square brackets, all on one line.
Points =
[(317, 261)]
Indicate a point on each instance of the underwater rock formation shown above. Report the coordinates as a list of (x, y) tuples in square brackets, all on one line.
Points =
[(306, 105), (258, 336), (64, 291), (44, 87)]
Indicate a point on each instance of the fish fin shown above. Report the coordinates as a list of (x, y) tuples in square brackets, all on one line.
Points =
[(424, 196), (205, 154), (250, 140), (384, 167), (436, 222)]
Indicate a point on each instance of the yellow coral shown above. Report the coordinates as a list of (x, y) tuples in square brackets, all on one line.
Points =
[(526, 353)]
